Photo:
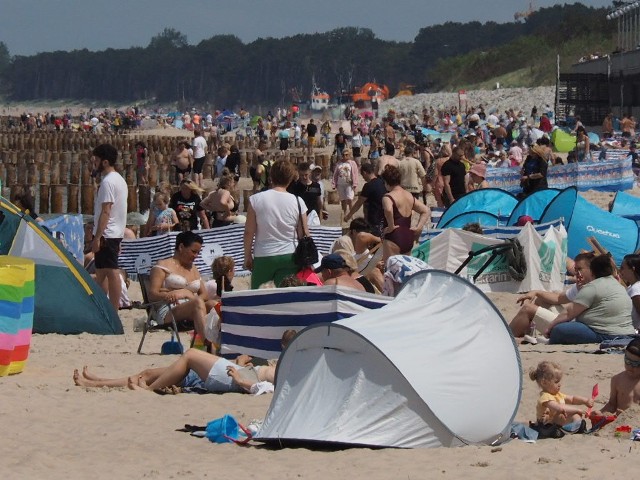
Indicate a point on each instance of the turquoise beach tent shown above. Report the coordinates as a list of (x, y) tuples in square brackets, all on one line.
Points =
[(485, 219), (626, 205), (533, 205), (435, 134), (67, 299), (618, 235), (491, 200)]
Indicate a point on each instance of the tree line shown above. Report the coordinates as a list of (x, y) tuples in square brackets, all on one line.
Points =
[(222, 71)]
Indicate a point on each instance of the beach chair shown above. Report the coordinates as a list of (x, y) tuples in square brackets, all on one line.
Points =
[(510, 249), (151, 323), (367, 263)]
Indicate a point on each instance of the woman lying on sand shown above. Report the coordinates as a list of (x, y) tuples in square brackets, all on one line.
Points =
[(195, 368)]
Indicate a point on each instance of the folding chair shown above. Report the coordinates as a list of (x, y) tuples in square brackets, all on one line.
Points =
[(152, 308), (496, 250), (367, 263)]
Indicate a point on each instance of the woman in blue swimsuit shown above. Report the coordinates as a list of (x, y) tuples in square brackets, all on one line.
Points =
[(398, 206)]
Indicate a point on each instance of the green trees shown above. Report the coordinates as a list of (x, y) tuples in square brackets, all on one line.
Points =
[(5, 63), (221, 71)]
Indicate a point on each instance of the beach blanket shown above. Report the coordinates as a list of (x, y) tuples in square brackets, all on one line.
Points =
[(142, 253)]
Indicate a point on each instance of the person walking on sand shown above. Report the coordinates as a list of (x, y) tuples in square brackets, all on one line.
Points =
[(312, 130), (345, 180), (412, 173), (371, 198), (453, 175), (398, 206), (199, 155), (387, 159), (109, 219)]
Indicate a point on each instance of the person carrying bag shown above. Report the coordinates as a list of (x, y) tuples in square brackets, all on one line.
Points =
[(306, 253)]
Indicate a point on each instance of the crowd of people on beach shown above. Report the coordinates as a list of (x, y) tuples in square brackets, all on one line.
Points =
[(596, 309), (402, 167)]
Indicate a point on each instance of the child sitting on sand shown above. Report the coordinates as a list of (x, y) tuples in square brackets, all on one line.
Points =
[(553, 406), (625, 386)]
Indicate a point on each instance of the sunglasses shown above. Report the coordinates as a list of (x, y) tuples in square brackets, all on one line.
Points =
[(631, 363)]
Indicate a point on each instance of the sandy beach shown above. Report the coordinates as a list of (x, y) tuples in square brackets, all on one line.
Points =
[(53, 429)]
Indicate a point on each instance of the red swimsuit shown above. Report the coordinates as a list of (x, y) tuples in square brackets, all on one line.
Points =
[(401, 236)]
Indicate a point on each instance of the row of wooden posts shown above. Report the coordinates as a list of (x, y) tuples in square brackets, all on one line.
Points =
[(75, 141), (63, 178)]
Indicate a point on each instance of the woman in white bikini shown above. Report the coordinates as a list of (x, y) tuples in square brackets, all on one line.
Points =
[(177, 281)]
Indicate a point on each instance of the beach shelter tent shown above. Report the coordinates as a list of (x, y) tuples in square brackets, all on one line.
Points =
[(491, 200), (533, 205), (418, 372), (562, 141), (483, 218), (16, 312), (254, 120), (67, 299), (435, 134), (545, 253), (594, 139), (228, 117), (626, 205), (618, 235)]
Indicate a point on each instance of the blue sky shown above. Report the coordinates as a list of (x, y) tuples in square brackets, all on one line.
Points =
[(31, 26)]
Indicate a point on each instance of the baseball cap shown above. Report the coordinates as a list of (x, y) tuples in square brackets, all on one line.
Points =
[(523, 220), (332, 262)]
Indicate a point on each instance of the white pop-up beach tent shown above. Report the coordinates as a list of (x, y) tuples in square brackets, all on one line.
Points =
[(435, 367)]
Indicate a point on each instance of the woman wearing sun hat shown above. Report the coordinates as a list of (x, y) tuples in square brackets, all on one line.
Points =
[(534, 171), (477, 175)]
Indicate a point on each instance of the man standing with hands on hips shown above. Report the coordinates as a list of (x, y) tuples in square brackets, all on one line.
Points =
[(110, 219)]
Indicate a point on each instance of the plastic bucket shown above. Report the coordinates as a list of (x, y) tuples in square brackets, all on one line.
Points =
[(223, 430)]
